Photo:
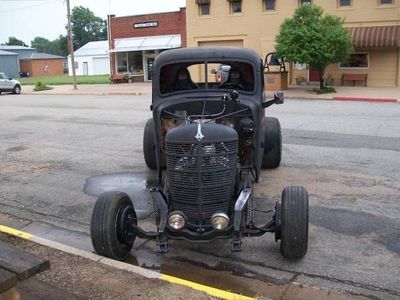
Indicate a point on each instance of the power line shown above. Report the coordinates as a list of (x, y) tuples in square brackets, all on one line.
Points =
[(22, 0), (29, 6)]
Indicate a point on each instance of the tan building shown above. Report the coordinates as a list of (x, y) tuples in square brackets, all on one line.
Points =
[(373, 24)]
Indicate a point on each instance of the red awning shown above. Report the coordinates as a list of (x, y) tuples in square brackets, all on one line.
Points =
[(375, 37)]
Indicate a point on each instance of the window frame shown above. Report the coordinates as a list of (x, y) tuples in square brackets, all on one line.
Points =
[(232, 3), (201, 12), (265, 6), (339, 5), (357, 68), (309, 2), (204, 87), (384, 4)]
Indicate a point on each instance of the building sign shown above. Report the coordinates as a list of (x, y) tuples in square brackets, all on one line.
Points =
[(145, 24)]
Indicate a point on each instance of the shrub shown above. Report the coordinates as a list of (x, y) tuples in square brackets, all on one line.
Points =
[(40, 86), (325, 90)]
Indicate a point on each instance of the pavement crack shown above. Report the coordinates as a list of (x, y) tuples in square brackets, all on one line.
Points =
[(311, 275), (285, 291), (363, 295), (30, 210)]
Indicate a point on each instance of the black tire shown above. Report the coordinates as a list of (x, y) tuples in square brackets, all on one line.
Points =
[(149, 148), (294, 222), (17, 89), (112, 212), (272, 143)]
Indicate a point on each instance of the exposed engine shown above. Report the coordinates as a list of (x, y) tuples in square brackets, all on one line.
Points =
[(245, 128)]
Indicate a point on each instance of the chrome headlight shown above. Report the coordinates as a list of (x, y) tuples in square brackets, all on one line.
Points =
[(177, 220), (220, 221)]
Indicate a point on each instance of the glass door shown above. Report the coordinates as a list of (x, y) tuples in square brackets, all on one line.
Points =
[(149, 67)]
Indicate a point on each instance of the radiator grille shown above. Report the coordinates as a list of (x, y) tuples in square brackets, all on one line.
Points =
[(201, 177)]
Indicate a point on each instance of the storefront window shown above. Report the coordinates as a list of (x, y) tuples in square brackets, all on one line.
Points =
[(135, 63), (356, 60), (130, 62), (386, 1), (122, 62)]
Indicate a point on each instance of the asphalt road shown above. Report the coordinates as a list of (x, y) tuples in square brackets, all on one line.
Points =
[(58, 152)]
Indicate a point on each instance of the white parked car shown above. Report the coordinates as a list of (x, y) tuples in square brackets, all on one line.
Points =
[(8, 84)]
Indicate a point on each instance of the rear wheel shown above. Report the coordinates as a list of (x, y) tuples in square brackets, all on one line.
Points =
[(112, 217), (149, 148), (272, 143), (17, 89), (293, 222)]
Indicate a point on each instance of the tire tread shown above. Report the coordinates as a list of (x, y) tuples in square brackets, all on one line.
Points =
[(294, 222), (272, 143), (148, 145), (102, 226)]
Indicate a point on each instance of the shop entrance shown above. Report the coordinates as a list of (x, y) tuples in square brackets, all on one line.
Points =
[(313, 75), (149, 60)]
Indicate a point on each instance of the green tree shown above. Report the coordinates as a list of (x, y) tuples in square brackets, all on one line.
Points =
[(314, 38), (57, 46), (13, 41), (86, 27), (41, 44), (61, 45)]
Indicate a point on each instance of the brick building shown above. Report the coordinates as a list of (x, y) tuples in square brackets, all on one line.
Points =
[(135, 41), (42, 64)]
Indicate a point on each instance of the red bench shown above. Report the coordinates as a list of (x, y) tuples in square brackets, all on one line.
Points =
[(354, 78), (118, 78)]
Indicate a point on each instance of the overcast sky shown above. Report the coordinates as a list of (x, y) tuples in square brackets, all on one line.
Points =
[(26, 19)]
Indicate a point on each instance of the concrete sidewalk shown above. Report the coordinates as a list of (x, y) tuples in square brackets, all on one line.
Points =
[(294, 92)]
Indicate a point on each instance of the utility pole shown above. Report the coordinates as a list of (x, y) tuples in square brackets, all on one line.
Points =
[(71, 45)]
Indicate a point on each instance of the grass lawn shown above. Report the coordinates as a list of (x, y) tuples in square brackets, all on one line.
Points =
[(65, 79)]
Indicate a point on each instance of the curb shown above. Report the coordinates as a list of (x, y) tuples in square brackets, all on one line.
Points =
[(366, 99), (86, 94), (124, 266)]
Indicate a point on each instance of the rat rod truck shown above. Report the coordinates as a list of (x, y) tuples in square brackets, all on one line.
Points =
[(208, 141)]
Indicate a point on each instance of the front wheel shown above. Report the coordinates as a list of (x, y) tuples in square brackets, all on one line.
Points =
[(293, 222), (112, 217), (17, 90)]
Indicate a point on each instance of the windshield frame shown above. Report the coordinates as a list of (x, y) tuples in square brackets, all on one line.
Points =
[(206, 62)]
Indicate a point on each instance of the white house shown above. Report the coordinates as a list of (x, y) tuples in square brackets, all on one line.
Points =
[(91, 59)]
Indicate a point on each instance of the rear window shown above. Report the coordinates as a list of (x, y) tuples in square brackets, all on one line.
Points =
[(206, 76)]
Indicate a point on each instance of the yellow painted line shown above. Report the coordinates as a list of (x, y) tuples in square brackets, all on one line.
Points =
[(15, 232), (204, 288), (196, 286)]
